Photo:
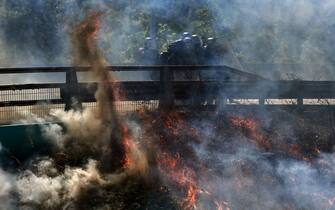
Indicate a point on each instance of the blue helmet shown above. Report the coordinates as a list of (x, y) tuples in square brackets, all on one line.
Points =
[(196, 40), (149, 43), (185, 34)]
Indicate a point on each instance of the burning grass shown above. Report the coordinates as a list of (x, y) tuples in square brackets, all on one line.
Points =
[(187, 156), (174, 160)]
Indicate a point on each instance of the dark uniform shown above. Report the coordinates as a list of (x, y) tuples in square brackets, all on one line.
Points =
[(186, 51), (148, 55), (214, 53), (198, 50)]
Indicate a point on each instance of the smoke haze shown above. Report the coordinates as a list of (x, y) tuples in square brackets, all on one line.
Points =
[(260, 33)]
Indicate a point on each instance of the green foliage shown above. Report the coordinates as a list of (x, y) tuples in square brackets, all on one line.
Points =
[(36, 29)]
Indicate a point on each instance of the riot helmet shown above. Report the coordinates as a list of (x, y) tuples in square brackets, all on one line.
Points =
[(196, 41), (186, 34), (149, 43)]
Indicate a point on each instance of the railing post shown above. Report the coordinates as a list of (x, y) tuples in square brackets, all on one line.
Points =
[(71, 95), (261, 101), (166, 90), (300, 102)]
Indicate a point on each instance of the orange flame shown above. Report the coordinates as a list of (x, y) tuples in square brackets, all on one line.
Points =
[(252, 129), (127, 162), (191, 198), (172, 121), (84, 38), (182, 175)]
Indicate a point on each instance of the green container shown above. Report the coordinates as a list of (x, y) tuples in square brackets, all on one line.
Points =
[(19, 142)]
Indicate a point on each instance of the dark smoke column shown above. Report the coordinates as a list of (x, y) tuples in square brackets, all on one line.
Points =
[(86, 52)]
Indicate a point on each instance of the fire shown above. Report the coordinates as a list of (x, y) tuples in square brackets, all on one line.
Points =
[(191, 198), (124, 151), (252, 130), (127, 162), (135, 159), (181, 167), (180, 175), (167, 161), (84, 38), (174, 122), (174, 168)]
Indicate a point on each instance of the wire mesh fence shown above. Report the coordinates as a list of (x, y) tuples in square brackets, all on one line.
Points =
[(43, 97), (19, 102), (30, 94), (124, 107)]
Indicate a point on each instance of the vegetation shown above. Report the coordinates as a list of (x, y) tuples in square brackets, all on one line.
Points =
[(35, 32)]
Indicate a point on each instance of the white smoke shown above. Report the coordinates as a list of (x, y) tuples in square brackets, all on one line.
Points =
[(43, 191), (48, 188), (297, 33), (243, 176), (6, 188)]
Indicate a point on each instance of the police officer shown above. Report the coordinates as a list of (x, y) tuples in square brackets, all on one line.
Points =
[(185, 34), (185, 51), (214, 51), (210, 54), (175, 53), (148, 55), (198, 50), (214, 55)]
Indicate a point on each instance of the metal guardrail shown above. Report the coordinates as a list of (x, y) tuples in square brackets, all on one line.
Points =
[(166, 91), (226, 69), (84, 92)]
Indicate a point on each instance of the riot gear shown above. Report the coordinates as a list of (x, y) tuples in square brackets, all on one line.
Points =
[(198, 50), (189, 50), (149, 43), (197, 41), (212, 52), (176, 52), (213, 55), (185, 34), (148, 55)]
